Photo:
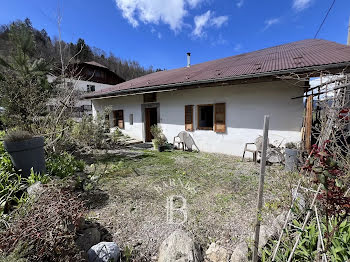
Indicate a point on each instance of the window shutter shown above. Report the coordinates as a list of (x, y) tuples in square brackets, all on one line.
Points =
[(220, 118), (189, 118)]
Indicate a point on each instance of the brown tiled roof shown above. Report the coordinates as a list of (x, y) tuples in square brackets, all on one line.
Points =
[(298, 56), (95, 64)]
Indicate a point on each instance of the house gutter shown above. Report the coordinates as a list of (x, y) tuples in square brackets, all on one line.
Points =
[(160, 88)]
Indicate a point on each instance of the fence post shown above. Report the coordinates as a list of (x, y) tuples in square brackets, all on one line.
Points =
[(261, 187)]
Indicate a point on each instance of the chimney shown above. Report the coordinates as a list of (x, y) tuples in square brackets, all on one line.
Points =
[(188, 59), (348, 42)]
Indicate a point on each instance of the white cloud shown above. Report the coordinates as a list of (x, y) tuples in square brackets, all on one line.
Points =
[(207, 20), (193, 3), (219, 21), (240, 3), (200, 22), (156, 11), (159, 35), (271, 22), (300, 5)]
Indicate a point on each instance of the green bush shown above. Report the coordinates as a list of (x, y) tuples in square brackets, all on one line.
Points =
[(37, 177), (63, 165), (12, 185), (88, 132), (339, 248)]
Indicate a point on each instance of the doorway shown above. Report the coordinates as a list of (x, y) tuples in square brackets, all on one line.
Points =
[(150, 120)]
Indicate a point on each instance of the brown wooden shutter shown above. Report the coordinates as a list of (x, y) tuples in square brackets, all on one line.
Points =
[(220, 118), (189, 118)]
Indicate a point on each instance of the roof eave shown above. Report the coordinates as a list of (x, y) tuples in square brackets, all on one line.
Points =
[(207, 81)]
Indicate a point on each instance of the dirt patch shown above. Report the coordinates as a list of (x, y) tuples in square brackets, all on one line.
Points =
[(219, 190)]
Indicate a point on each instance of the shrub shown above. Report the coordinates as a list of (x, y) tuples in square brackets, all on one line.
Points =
[(89, 132), (63, 165), (37, 177), (48, 227), (17, 135), (291, 145), (12, 185), (159, 138), (307, 247)]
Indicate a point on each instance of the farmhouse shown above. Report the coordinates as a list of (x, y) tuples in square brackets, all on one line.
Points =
[(222, 102), (87, 77)]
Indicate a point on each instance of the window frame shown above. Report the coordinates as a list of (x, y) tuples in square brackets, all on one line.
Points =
[(116, 119), (198, 117)]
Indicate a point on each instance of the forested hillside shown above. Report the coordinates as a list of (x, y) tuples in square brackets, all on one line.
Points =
[(48, 49)]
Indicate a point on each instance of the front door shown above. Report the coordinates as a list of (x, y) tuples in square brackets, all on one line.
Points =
[(150, 120)]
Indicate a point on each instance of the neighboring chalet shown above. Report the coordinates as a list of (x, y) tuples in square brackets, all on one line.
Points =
[(89, 77), (222, 102)]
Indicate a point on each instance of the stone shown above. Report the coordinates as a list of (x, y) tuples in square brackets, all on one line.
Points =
[(216, 253), (36, 189), (104, 252), (240, 253), (179, 247), (88, 238), (266, 232)]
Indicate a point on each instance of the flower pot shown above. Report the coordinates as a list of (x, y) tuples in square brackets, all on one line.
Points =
[(161, 148), (27, 154), (291, 159)]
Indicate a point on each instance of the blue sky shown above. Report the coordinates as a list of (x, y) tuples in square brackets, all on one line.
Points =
[(160, 32)]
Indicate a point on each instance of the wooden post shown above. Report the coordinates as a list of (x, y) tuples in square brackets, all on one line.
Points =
[(261, 187)]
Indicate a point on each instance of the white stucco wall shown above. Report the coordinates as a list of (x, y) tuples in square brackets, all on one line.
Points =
[(246, 106), (81, 85)]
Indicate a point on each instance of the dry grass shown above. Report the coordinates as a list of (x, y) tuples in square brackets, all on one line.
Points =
[(220, 191)]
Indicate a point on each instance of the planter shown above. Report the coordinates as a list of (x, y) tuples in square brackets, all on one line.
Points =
[(27, 154), (161, 148), (291, 159)]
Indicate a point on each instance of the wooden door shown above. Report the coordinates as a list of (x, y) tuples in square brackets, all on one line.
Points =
[(150, 120)]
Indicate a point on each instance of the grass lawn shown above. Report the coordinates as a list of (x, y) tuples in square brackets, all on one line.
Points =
[(220, 193)]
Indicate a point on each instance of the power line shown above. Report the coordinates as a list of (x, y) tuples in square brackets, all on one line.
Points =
[(324, 19)]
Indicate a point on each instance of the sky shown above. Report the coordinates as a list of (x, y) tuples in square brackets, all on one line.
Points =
[(159, 33)]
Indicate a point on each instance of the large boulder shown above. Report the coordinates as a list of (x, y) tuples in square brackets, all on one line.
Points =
[(216, 253), (104, 252), (88, 238), (240, 253), (179, 247)]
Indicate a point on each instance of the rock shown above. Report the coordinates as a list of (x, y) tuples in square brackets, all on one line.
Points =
[(179, 247), (240, 254), (36, 189), (88, 238), (215, 253), (279, 221), (104, 252), (266, 232), (299, 199)]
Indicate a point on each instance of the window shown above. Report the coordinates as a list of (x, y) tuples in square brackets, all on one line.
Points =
[(86, 108), (150, 97), (118, 116), (90, 88), (189, 118), (205, 117), (131, 119), (212, 117)]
